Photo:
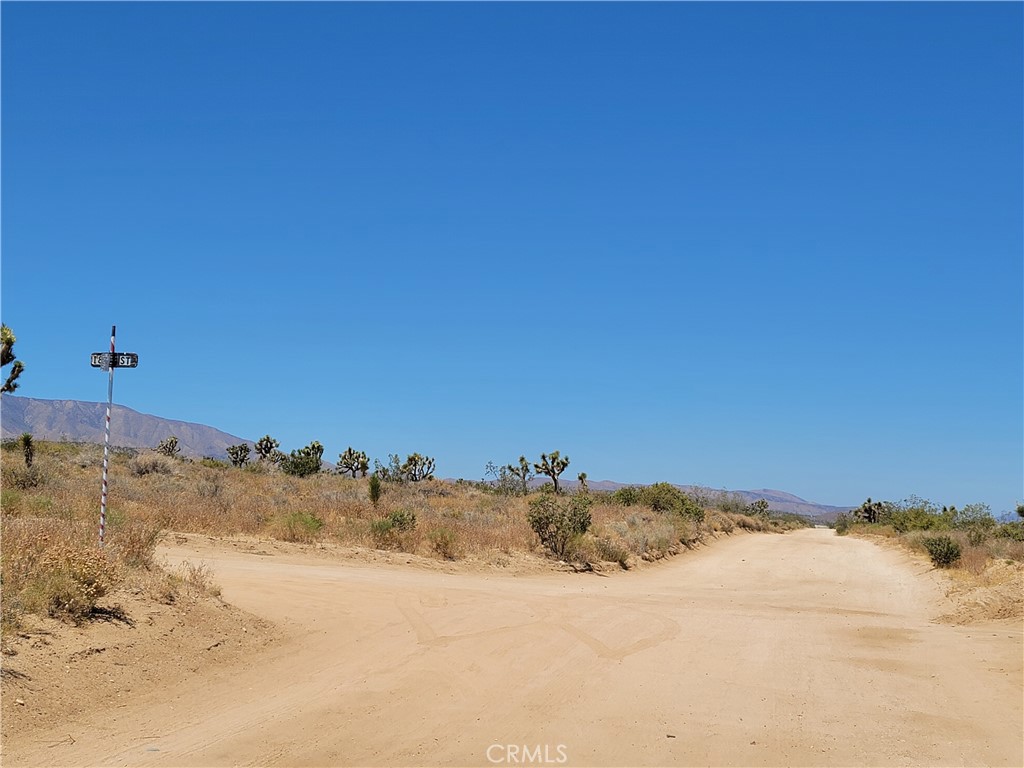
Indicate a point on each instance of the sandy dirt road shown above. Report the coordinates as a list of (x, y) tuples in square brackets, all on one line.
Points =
[(803, 649)]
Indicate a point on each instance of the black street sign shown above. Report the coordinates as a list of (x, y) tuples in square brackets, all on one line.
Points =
[(120, 360)]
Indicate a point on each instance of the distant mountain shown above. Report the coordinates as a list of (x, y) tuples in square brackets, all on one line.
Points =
[(83, 422)]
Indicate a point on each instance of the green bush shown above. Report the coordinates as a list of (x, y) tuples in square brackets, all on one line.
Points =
[(556, 522), (382, 532), (23, 477), (301, 527), (665, 497), (842, 524), (402, 520), (1013, 531), (375, 490), (627, 497), (943, 550), (303, 462), (385, 530), (445, 542)]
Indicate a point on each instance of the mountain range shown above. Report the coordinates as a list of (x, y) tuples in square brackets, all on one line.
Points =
[(77, 421), (83, 422)]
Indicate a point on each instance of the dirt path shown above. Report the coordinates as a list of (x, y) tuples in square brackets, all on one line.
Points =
[(804, 649)]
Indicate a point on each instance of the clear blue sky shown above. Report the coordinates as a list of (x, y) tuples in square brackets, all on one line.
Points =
[(746, 246)]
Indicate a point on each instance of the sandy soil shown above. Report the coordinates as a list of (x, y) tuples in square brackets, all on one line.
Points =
[(762, 650)]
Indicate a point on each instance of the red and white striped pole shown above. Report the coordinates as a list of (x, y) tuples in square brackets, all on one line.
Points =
[(106, 439)]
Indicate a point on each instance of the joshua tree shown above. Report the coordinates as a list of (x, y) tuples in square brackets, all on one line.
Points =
[(868, 511), (582, 477), (759, 508), (239, 454), (353, 461), (417, 467), (522, 472), (552, 465), (7, 357), (169, 447), (266, 447)]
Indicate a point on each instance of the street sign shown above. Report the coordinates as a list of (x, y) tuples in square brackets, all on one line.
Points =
[(107, 360)]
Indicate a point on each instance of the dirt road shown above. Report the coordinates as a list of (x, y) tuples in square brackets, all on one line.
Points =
[(803, 649)]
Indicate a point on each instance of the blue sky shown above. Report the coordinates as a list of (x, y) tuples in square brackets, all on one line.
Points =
[(745, 246)]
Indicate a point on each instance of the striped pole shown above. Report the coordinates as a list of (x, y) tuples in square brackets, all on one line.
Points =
[(106, 439)]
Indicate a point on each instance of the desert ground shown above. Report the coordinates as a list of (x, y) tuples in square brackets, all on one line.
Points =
[(802, 649)]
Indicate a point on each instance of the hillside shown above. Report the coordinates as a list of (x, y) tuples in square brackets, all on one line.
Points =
[(83, 422)]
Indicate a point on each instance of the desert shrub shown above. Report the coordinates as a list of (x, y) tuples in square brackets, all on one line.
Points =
[(374, 490), (790, 520), (1013, 531), (256, 467), (721, 522), (402, 520), (976, 536), (748, 523), (916, 514), (10, 500), (210, 485), (842, 524), (943, 550), (445, 542), (301, 527), (689, 532), (22, 477), (1006, 548), (583, 550), (386, 530), (611, 551), (556, 522), (627, 496), (197, 579), (732, 503), (67, 582), (134, 541), (382, 532), (973, 559), (665, 497), (149, 464), (212, 463), (303, 462), (661, 497)]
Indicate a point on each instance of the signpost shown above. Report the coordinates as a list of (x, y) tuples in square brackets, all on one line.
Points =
[(108, 361)]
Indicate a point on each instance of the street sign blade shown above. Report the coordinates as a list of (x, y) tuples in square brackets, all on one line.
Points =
[(105, 361)]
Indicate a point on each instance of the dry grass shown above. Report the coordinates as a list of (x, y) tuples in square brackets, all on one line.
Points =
[(151, 493)]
